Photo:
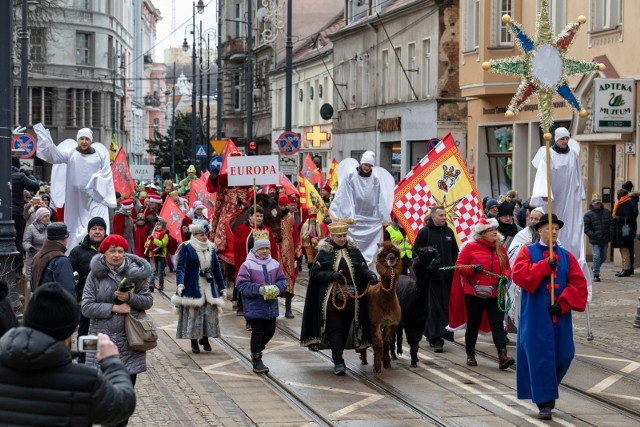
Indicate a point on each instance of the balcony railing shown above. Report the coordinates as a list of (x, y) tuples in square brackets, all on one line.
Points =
[(235, 49)]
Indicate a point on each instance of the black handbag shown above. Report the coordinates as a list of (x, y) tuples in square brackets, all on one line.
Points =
[(626, 231)]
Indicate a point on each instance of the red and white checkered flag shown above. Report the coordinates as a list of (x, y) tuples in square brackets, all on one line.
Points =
[(440, 178)]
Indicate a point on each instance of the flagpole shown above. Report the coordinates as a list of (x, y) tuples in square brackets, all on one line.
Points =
[(547, 140)]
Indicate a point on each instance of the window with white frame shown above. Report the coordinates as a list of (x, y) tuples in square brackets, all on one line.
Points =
[(237, 91), (506, 8), (557, 15), (239, 26), (471, 31), (398, 74), (411, 65), (605, 14), (356, 10), (364, 72), (37, 44), (426, 68), (84, 42), (385, 76)]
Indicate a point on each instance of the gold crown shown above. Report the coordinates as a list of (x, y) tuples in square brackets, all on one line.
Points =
[(338, 228), (260, 234), (174, 194), (313, 211), (452, 172), (595, 196)]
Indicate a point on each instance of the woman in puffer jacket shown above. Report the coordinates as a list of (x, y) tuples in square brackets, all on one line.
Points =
[(260, 281), (106, 307)]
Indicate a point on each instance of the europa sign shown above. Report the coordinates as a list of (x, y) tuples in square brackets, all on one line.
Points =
[(614, 105), (243, 170)]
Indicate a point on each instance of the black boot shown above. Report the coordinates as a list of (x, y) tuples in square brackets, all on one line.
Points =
[(204, 342), (258, 366), (471, 358), (624, 273), (504, 361), (545, 410), (194, 347), (287, 306)]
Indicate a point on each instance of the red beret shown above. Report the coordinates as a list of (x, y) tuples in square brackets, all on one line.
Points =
[(283, 199), (293, 199), (113, 240)]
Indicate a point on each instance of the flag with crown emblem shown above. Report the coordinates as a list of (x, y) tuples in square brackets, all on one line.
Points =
[(440, 179), (332, 176), (198, 191), (310, 198), (113, 146), (174, 216), (123, 182), (311, 172)]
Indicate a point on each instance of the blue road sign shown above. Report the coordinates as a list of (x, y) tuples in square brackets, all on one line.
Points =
[(201, 151), (26, 143), (289, 143), (215, 163)]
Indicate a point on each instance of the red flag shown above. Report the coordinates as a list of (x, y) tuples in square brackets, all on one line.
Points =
[(198, 191), (288, 187), (439, 179), (174, 216), (231, 147), (311, 171), (205, 176), (123, 183)]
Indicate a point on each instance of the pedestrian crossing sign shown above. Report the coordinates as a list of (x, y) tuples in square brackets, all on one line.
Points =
[(201, 151)]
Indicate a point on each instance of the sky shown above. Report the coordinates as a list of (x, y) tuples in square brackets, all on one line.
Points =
[(164, 38)]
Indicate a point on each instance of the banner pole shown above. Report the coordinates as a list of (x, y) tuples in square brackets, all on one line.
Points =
[(255, 201)]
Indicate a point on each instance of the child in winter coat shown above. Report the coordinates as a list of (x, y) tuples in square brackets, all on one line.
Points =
[(260, 281), (140, 234), (156, 248)]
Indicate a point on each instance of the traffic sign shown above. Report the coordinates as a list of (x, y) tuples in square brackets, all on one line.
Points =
[(26, 143), (201, 151), (215, 163), (218, 145), (289, 165), (289, 143)]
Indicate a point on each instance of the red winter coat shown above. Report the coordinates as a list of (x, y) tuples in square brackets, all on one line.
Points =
[(484, 253)]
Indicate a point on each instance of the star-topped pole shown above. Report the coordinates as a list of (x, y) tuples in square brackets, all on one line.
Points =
[(544, 68)]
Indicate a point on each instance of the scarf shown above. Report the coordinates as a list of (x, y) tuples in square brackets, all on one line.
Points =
[(619, 202), (559, 150), (203, 251)]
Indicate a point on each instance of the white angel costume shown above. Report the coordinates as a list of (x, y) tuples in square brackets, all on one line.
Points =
[(82, 183), (365, 202), (567, 195)]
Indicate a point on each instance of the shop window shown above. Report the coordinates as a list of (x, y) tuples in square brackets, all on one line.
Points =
[(499, 147)]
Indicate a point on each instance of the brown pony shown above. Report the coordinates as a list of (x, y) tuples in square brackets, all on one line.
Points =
[(383, 306), (272, 215)]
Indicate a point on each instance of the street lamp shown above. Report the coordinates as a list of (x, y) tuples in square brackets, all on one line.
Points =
[(185, 47), (206, 68)]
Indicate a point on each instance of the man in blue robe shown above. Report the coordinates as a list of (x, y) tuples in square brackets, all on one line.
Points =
[(545, 348)]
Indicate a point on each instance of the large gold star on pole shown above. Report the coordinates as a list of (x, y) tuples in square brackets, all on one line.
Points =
[(544, 67), (449, 208)]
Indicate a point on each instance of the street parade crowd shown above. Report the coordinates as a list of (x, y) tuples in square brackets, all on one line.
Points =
[(94, 259)]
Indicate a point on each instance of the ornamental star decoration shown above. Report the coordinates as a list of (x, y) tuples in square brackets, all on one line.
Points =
[(544, 66)]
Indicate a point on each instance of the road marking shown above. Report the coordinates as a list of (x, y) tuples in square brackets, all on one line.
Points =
[(227, 362), (613, 359), (368, 400), (157, 310), (231, 374)]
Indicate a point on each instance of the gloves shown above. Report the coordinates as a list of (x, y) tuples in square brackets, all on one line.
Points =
[(555, 309), (270, 292), (477, 268), (261, 291), (179, 290), (32, 250), (373, 278), (553, 264), (336, 276)]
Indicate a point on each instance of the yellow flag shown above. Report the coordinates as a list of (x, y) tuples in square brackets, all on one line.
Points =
[(113, 146), (310, 198), (332, 175)]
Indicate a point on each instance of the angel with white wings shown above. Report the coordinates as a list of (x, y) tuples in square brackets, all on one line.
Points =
[(364, 199), (81, 179)]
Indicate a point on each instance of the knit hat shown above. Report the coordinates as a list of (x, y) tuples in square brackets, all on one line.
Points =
[(561, 133), (538, 209), (628, 186), (283, 199), (127, 204), (484, 224), (57, 231), (46, 197), (15, 162), (261, 240), (505, 208), (369, 157), (96, 220), (26, 193), (155, 199), (53, 311), (199, 226), (41, 212), (85, 132), (113, 240), (490, 203), (595, 198), (545, 220)]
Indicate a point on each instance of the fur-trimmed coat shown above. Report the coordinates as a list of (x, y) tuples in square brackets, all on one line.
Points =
[(350, 260), (188, 274), (97, 302)]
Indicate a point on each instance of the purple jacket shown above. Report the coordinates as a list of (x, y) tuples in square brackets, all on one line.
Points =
[(253, 274)]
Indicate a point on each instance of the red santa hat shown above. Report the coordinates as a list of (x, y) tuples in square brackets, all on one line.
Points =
[(283, 199), (127, 204), (155, 199), (484, 224)]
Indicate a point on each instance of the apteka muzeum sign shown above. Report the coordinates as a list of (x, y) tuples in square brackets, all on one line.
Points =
[(614, 105)]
